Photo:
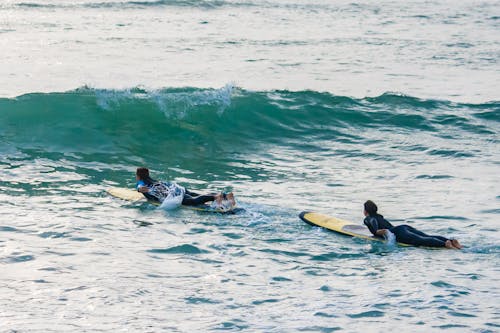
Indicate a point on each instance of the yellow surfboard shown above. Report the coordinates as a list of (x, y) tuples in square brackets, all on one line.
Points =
[(340, 226), (134, 196), (126, 194)]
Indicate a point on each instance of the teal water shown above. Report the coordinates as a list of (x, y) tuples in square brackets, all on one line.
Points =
[(92, 262), (294, 105)]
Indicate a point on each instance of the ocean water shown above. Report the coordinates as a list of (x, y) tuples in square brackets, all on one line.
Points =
[(294, 105)]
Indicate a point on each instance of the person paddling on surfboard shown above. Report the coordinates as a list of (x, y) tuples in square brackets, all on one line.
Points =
[(159, 191), (379, 227)]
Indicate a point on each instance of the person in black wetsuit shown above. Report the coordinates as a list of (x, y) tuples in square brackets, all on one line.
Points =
[(379, 226), (157, 191)]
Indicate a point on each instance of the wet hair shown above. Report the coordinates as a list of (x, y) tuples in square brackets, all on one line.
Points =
[(371, 208), (143, 174)]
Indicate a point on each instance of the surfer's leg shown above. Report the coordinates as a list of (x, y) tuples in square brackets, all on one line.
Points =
[(405, 234), (199, 200), (193, 194), (423, 234), (429, 241), (416, 231)]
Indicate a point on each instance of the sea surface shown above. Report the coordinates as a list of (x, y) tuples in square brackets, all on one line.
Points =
[(291, 104)]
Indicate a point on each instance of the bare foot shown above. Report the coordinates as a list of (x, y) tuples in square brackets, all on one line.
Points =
[(218, 198), (230, 197), (448, 244), (456, 244)]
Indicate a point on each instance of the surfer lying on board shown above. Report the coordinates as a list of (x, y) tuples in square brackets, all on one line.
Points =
[(158, 191), (379, 227)]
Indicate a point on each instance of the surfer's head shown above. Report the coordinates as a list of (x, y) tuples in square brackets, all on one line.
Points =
[(142, 173), (370, 208)]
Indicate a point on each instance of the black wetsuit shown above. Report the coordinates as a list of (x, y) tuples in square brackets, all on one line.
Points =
[(404, 233), (194, 199)]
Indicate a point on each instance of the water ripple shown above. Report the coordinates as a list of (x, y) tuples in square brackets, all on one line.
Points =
[(180, 249)]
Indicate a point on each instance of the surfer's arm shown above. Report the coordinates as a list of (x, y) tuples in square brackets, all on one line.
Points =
[(143, 189), (373, 226)]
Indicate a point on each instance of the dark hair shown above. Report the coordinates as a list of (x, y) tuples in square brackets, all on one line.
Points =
[(371, 208), (143, 174)]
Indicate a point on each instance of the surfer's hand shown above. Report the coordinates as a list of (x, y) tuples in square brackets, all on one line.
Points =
[(381, 232)]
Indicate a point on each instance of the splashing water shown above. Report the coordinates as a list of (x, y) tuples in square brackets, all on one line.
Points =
[(391, 238)]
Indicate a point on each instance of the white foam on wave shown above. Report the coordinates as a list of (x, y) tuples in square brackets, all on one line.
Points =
[(177, 103), (173, 102)]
